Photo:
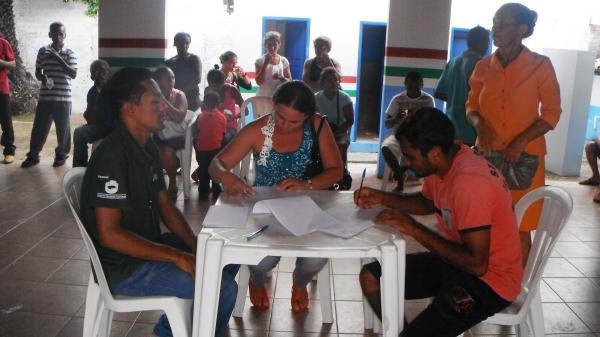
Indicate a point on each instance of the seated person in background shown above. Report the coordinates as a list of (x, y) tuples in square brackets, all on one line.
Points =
[(592, 153), (172, 137), (282, 142), (97, 115), (311, 73), (123, 200), (337, 106), (473, 269), (234, 74), (212, 125), (401, 105)]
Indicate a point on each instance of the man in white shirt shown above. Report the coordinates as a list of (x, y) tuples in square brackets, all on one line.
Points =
[(401, 105)]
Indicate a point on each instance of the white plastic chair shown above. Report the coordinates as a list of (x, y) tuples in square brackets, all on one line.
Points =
[(526, 311), (260, 106), (323, 286), (100, 303), (387, 171), (185, 157)]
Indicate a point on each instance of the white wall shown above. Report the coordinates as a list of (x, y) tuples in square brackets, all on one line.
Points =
[(563, 25), (32, 20)]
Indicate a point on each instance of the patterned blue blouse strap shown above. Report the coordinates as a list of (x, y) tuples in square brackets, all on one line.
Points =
[(267, 131)]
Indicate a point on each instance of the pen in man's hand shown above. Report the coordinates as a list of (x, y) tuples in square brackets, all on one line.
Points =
[(361, 182), (257, 233)]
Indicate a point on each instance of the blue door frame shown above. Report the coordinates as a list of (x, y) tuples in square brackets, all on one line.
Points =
[(297, 41), (364, 146)]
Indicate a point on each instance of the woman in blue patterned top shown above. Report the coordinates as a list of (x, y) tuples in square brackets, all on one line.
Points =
[(282, 143)]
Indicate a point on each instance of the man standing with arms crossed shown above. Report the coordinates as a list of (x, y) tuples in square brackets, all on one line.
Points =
[(473, 268), (55, 67)]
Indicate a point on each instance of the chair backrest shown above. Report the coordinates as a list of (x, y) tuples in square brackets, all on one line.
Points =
[(260, 106), (557, 209), (72, 192)]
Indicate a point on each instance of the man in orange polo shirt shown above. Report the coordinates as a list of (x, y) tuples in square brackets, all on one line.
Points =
[(473, 269)]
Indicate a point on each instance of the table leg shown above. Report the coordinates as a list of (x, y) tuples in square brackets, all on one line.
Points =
[(389, 290), (211, 283), (401, 251), (200, 258)]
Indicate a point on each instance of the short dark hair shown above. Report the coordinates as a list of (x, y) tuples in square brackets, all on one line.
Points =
[(426, 128), (226, 56), (160, 72), (55, 25), (323, 40), (125, 86), (182, 35), (296, 95), (477, 35), (329, 71), (212, 99), (413, 76), (523, 15), (97, 65), (215, 75)]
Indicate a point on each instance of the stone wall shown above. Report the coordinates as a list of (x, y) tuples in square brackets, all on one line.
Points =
[(32, 20)]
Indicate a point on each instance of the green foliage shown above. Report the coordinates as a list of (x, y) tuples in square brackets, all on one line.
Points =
[(92, 9)]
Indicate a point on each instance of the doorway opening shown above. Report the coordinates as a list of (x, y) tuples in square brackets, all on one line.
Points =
[(295, 33), (369, 84)]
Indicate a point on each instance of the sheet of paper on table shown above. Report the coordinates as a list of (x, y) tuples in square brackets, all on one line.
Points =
[(263, 193), (300, 215), (228, 216)]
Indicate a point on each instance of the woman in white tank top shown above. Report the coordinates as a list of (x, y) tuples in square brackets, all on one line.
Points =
[(272, 69)]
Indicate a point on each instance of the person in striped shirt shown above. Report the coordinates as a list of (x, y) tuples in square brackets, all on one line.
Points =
[(55, 67)]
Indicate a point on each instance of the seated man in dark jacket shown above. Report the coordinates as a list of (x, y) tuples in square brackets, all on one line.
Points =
[(123, 199)]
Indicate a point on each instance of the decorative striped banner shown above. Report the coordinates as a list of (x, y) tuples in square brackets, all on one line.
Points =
[(134, 61), (429, 63)]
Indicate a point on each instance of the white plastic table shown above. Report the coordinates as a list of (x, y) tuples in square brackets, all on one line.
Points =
[(218, 247)]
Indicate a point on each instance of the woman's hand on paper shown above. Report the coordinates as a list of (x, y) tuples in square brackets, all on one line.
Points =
[(292, 185), (233, 185)]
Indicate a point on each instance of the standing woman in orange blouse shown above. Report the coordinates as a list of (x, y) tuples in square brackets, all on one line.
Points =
[(514, 100)]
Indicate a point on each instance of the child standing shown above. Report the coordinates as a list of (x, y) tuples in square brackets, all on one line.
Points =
[(212, 125)]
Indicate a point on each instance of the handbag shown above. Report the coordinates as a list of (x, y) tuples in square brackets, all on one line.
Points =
[(315, 167), (518, 175)]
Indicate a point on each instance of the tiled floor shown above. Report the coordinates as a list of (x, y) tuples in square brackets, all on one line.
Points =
[(44, 268)]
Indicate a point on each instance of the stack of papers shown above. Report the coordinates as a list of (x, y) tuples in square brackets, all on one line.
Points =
[(300, 215)]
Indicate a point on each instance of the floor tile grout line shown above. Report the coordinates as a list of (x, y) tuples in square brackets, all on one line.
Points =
[(32, 216), (581, 319)]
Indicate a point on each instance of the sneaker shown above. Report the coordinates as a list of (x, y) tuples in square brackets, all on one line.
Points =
[(9, 158), (195, 176), (29, 162), (59, 162)]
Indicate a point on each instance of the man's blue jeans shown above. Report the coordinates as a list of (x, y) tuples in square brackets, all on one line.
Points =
[(155, 278)]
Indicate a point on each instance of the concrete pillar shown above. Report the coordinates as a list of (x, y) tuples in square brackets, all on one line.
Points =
[(417, 39), (132, 32), (565, 142)]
